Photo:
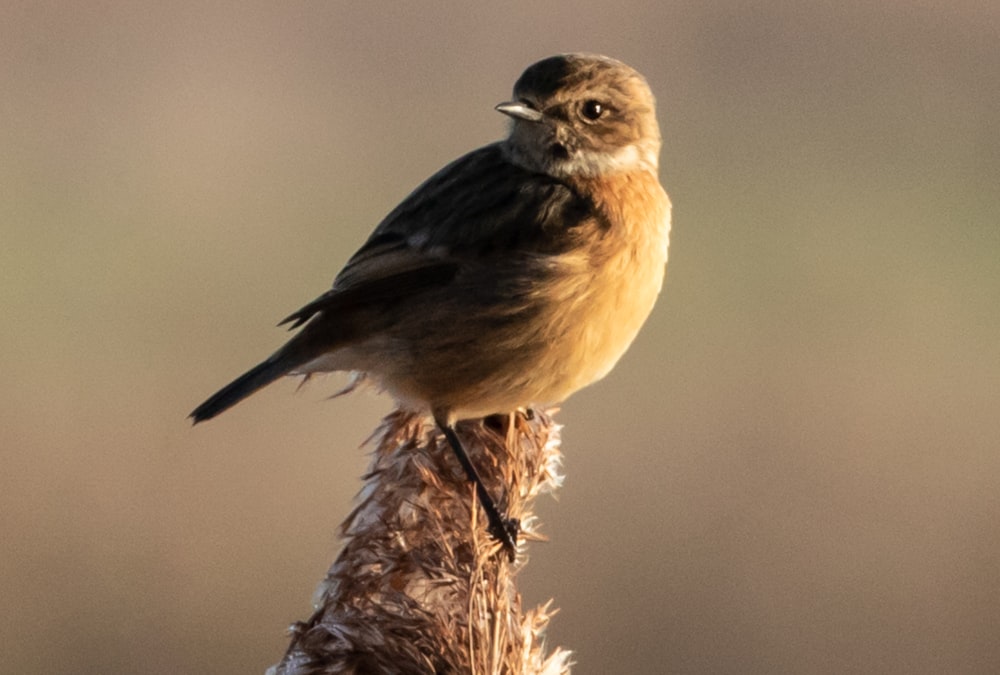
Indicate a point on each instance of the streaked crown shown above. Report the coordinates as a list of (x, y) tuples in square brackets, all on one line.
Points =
[(582, 114)]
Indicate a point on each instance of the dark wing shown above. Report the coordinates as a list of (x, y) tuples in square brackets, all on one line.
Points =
[(482, 203), (412, 276), (479, 206)]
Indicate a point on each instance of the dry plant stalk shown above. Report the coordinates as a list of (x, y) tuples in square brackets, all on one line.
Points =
[(419, 586)]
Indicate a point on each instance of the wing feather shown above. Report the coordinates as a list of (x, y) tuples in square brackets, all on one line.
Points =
[(478, 206)]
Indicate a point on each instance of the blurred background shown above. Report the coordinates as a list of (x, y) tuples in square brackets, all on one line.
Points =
[(795, 469)]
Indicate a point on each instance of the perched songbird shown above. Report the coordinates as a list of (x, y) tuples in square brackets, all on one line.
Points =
[(514, 276)]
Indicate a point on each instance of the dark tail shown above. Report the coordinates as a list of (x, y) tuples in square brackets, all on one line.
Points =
[(257, 377)]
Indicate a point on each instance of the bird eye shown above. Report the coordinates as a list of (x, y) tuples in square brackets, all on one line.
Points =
[(592, 110)]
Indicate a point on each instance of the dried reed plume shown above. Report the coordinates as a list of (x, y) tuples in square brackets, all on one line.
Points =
[(419, 586)]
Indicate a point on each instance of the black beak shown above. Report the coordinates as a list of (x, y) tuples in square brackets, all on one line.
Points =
[(520, 111)]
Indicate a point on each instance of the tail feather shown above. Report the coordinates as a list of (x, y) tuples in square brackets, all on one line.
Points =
[(257, 377)]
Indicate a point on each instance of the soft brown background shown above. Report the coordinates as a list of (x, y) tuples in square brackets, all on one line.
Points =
[(795, 470)]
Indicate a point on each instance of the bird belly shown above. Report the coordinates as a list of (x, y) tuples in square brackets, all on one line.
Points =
[(508, 353)]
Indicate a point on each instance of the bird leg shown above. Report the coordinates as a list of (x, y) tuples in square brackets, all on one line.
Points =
[(503, 529)]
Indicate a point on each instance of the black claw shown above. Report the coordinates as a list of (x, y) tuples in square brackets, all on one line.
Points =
[(503, 530), (506, 533)]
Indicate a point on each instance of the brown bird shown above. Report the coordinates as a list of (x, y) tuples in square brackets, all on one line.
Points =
[(514, 276)]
